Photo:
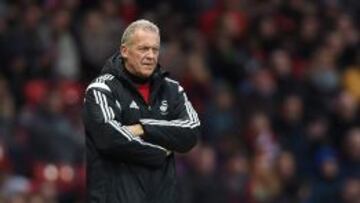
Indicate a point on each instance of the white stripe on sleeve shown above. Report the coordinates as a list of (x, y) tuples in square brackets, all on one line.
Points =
[(109, 117), (192, 122)]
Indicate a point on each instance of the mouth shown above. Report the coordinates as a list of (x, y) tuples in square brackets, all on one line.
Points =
[(148, 64)]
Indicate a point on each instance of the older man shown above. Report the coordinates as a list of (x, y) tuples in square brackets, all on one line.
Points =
[(135, 119)]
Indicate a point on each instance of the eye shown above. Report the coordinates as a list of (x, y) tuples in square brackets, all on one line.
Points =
[(142, 49), (156, 49)]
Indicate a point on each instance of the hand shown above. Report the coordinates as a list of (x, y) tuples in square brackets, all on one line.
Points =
[(137, 130)]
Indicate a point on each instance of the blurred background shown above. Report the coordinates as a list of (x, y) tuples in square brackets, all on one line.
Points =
[(276, 84)]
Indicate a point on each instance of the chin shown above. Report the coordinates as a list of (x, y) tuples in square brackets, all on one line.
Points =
[(146, 74)]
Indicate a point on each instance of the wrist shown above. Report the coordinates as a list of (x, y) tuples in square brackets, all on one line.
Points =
[(136, 130), (140, 130)]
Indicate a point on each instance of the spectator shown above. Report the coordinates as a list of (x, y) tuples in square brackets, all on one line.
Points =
[(67, 62), (264, 186), (204, 184), (346, 117), (290, 184), (351, 191), (351, 148), (326, 186), (221, 115), (235, 177)]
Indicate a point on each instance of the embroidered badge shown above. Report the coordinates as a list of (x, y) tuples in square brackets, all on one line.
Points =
[(164, 107), (133, 105)]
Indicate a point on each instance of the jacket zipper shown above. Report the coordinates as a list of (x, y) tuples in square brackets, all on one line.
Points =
[(153, 92)]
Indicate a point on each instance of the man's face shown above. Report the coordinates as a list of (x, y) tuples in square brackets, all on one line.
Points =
[(141, 53)]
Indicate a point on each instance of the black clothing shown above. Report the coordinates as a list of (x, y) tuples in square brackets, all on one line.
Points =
[(124, 168)]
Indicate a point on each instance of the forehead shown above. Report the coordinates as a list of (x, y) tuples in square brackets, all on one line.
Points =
[(145, 37)]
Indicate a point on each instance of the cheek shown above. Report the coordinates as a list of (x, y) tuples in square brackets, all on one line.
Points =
[(139, 57), (135, 59)]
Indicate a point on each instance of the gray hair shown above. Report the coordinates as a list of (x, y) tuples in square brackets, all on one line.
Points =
[(138, 24)]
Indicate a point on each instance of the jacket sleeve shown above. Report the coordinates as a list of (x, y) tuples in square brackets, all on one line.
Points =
[(103, 128), (178, 135)]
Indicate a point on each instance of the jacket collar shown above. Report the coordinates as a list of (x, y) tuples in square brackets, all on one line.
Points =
[(115, 66)]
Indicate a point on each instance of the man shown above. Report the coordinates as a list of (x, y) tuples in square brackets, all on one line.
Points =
[(135, 119)]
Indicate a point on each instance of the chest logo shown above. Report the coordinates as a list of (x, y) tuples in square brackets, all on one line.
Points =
[(164, 107), (133, 105)]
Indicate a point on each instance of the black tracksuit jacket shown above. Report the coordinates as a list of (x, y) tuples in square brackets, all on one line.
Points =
[(122, 168)]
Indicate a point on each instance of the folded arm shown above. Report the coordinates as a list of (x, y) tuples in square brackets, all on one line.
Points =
[(110, 137), (178, 135)]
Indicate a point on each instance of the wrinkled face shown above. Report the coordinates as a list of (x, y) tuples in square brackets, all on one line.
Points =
[(141, 53)]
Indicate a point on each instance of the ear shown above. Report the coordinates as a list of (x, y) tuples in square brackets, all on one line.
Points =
[(123, 51)]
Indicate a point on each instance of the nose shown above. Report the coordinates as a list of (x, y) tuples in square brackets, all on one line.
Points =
[(151, 54)]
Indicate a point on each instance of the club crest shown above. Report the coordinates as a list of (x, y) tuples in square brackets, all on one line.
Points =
[(164, 107)]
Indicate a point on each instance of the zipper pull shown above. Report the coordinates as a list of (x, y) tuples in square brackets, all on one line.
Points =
[(149, 108)]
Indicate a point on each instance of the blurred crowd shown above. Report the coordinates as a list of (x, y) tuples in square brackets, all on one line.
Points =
[(276, 84)]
